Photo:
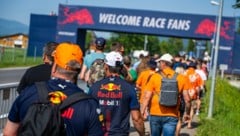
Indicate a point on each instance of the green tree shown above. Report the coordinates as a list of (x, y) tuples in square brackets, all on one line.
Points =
[(175, 45), (90, 37), (153, 45), (208, 46), (164, 47), (133, 42), (191, 46)]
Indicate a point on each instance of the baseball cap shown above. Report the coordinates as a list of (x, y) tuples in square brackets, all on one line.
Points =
[(192, 64), (113, 59), (165, 57), (152, 63), (66, 52), (100, 42)]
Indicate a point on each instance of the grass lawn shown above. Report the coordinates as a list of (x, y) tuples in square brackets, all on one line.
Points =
[(226, 111), (15, 57)]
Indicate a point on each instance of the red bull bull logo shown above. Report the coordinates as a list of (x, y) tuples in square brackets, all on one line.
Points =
[(57, 97), (110, 87), (112, 91), (207, 28), (81, 17)]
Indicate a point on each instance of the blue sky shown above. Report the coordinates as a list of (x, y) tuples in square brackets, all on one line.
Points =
[(20, 10)]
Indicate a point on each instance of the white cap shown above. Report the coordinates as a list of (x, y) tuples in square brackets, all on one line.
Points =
[(112, 57), (206, 53), (166, 57)]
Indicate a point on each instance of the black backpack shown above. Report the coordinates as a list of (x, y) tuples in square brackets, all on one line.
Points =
[(44, 118), (169, 91)]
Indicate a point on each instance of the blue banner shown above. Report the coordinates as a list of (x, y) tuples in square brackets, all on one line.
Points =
[(140, 21), (72, 17)]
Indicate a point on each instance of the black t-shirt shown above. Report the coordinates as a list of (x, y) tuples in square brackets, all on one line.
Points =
[(37, 73)]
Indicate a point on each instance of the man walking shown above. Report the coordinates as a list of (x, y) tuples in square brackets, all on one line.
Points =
[(117, 99), (163, 119), (90, 58), (40, 72), (83, 118)]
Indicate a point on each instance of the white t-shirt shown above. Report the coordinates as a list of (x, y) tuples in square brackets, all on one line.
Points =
[(202, 74)]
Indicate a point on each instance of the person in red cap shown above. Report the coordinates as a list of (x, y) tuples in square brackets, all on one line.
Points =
[(85, 114)]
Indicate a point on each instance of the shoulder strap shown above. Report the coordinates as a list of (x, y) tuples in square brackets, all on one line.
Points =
[(162, 74), (73, 99), (42, 91), (174, 76), (43, 96), (149, 77)]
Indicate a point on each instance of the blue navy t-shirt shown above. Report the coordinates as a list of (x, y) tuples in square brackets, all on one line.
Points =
[(116, 98), (81, 118)]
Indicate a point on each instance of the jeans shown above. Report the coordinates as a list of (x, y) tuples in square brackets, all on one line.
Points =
[(163, 125)]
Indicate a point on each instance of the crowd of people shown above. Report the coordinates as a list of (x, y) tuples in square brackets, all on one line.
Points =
[(123, 90)]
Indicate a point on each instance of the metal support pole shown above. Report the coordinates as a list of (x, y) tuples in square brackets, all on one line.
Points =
[(145, 42), (214, 70), (212, 50)]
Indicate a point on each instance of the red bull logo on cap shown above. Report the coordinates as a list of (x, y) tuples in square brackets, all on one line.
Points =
[(207, 27), (81, 17)]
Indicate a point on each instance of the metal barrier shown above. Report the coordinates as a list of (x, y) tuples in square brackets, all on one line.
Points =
[(8, 94)]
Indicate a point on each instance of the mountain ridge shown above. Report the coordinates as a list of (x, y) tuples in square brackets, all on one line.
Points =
[(9, 27)]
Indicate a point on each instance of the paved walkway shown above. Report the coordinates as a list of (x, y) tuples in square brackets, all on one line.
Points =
[(184, 131)]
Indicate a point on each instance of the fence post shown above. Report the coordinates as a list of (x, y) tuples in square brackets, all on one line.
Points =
[(1, 52), (25, 55), (13, 54)]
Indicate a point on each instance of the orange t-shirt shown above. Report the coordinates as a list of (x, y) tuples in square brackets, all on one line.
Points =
[(194, 82), (142, 82), (154, 86)]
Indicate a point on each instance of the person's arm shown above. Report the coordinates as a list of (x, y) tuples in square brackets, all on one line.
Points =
[(138, 122), (83, 71), (10, 128), (187, 101), (146, 101)]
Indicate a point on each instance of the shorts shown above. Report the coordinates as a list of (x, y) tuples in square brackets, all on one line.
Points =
[(201, 93)]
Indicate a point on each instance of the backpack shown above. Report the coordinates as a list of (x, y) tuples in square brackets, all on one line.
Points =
[(96, 72), (169, 91), (44, 118)]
